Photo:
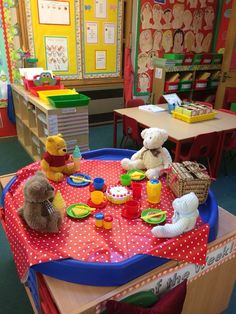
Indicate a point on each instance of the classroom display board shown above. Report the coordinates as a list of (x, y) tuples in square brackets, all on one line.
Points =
[(57, 28), (54, 35), (168, 26), (102, 21)]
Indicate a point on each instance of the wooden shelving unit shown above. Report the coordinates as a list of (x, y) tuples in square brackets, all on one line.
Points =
[(162, 73), (35, 120)]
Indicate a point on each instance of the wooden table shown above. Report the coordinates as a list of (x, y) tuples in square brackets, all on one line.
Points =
[(180, 131), (208, 291)]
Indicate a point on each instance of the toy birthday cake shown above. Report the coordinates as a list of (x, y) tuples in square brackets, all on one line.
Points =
[(118, 194)]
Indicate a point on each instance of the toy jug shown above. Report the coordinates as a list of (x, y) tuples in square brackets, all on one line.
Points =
[(154, 191)]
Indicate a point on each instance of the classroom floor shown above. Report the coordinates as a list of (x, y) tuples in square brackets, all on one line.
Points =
[(13, 298)]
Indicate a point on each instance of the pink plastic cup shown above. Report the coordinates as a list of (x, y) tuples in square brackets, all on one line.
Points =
[(136, 190)]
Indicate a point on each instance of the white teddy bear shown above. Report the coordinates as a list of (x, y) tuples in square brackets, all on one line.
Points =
[(184, 218), (152, 156)]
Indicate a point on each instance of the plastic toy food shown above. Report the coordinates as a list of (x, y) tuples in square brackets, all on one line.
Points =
[(118, 194), (78, 211), (77, 158)]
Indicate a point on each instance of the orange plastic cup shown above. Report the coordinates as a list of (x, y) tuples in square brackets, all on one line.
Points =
[(97, 197)]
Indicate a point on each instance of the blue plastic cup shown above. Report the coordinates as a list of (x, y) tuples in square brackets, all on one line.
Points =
[(171, 107), (98, 184)]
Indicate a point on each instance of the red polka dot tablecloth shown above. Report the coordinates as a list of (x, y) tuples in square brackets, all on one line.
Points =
[(81, 240)]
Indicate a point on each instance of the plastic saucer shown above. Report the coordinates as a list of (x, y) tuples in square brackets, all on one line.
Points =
[(125, 214), (100, 206), (79, 184), (91, 188)]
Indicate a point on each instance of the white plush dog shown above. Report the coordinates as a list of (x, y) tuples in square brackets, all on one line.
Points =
[(152, 156), (184, 218)]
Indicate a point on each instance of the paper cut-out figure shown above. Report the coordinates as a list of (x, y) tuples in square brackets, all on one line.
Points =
[(145, 40), (167, 40), (203, 3), (189, 40), (142, 62), (199, 38), (178, 39), (151, 55), (144, 82), (167, 16), (178, 12), (187, 20), (157, 37), (197, 20), (146, 15), (206, 43), (209, 16), (192, 4), (157, 15)]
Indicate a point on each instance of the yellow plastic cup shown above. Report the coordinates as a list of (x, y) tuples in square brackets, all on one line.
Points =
[(97, 197)]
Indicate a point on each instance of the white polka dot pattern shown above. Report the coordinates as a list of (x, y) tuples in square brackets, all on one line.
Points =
[(81, 240)]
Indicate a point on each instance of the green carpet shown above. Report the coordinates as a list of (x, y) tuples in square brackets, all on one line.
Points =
[(14, 157)]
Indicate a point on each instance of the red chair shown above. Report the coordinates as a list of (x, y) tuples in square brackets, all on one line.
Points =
[(134, 102), (131, 130), (203, 146)]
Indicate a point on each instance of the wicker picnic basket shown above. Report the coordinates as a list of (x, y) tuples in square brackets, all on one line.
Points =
[(189, 176)]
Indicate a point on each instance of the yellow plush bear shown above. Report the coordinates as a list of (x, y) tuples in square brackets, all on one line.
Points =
[(55, 157)]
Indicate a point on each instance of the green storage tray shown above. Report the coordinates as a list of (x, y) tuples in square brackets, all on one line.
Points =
[(185, 85), (233, 106), (212, 83), (197, 58), (217, 58), (62, 101), (177, 57)]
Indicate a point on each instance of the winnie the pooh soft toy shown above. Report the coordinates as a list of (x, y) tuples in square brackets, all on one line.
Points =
[(152, 156), (54, 159)]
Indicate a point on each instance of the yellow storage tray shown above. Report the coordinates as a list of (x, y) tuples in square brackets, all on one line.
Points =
[(55, 92), (192, 119)]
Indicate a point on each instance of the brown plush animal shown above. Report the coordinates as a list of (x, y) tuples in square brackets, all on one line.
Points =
[(55, 158), (37, 210)]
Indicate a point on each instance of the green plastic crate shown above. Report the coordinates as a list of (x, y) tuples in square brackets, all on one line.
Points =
[(233, 106), (177, 57), (217, 58), (197, 58), (212, 83), (185, 85), (63, 101)]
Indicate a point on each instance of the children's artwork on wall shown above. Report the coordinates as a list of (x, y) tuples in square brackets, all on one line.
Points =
[(170, 27), (57, 53), (65, 57)]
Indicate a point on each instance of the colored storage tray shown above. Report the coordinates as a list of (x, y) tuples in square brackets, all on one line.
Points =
[(213, 83), (197, 58), (59, 92), (64, 101), (115, 274), (200, 84), (171, 86), (177, 57), (188, 58), (192, 119), (217, 58), (185, 85), (206, 58)]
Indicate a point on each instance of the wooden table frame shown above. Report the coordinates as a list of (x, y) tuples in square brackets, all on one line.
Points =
[(180, 131)]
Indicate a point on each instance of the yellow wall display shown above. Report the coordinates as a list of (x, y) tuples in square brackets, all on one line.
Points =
[(54, 35), (101, 37)]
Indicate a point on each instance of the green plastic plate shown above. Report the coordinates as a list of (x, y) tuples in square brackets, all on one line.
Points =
[(154, 220)]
